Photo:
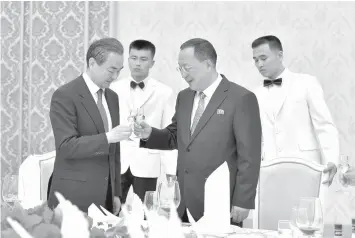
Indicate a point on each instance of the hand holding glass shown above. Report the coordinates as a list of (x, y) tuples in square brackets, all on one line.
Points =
[(135, 116)]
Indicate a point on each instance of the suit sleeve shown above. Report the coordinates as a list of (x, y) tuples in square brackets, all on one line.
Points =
[(169, 158), (164, 139), (247, 130), (69, 143), (324, 127)]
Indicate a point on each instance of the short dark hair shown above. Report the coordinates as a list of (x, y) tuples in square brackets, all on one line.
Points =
[(100, 49), (272, 41), (142, 45), (203, 49)]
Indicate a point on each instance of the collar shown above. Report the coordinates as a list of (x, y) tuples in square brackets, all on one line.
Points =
[(212, 88), (93, 88)]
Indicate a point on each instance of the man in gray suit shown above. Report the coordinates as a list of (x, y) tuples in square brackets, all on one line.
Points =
[(215, 121), (85, 119)]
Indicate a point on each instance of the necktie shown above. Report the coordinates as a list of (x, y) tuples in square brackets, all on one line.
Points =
[(268, 82), (134, 85), (101, 108), (199, 111)]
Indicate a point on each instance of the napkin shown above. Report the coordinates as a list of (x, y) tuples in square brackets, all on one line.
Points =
[(133, 213), (162, 227), (106, 218), (73, 219), (216, 218)]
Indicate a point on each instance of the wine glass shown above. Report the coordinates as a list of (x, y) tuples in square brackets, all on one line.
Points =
[(131, 120), (309, 216), (177, 195), (140, 117), (9, 190), (151, 200), (168, 192)]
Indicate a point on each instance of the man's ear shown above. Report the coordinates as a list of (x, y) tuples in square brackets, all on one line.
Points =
[(92, 62), (280, 55), (152, 64)]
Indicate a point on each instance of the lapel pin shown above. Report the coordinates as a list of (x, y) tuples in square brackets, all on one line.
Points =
[(220, 112)]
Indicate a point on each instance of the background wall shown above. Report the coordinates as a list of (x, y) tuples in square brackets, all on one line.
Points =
[(318, 39), (43, 45)]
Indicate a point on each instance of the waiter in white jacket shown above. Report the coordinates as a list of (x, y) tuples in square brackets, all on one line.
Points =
[(296, 121), (141, 167)]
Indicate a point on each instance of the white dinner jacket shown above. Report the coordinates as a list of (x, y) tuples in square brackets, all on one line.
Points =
[(303, 126), (158, 103)]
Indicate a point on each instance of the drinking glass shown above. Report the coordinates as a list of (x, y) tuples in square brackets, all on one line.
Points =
[(168, 192), (151, 200), (9, 190), (131, 119), (309, 216), (140, 117)]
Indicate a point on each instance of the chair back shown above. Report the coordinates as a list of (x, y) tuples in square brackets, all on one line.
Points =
[(34, 175), (282, 182)]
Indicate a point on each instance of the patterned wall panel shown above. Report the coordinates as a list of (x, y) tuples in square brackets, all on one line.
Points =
[(318, 38), (43, 46), (10, 84)]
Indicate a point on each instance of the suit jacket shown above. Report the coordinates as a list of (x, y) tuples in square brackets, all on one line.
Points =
[(303, 125), (234, 137), (84, 159), (158, 103)]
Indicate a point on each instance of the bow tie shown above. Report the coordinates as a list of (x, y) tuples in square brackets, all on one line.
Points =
[(268, 82), (134, 85)]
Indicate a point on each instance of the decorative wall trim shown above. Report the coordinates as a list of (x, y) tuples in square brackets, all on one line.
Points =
[(86, 32), (22, 31)]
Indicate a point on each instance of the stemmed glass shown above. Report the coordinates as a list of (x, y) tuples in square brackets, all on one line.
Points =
[(9, 190), (135, 115), (309, 216), (168, 193), (151, 200)]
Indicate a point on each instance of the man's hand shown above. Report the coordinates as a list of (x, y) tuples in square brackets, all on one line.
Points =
[(348, 178), (116, 205), (142, 130), (331, 169), (239, 214), (118, 134)]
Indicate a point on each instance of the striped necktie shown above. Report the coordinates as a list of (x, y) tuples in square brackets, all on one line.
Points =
[(199, 111), (101, 108)]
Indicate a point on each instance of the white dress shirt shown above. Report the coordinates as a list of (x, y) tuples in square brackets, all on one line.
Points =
[(208, 92), (136, 93), (273, 95), (93, 88)]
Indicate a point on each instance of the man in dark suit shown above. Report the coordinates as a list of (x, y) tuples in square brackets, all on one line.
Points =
[(85, 119), (215, 121)]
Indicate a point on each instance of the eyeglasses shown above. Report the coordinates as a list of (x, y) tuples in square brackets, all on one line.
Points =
[(184, 70)]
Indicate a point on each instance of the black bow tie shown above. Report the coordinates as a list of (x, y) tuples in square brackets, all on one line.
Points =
[(268, 82), (134, 85)]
